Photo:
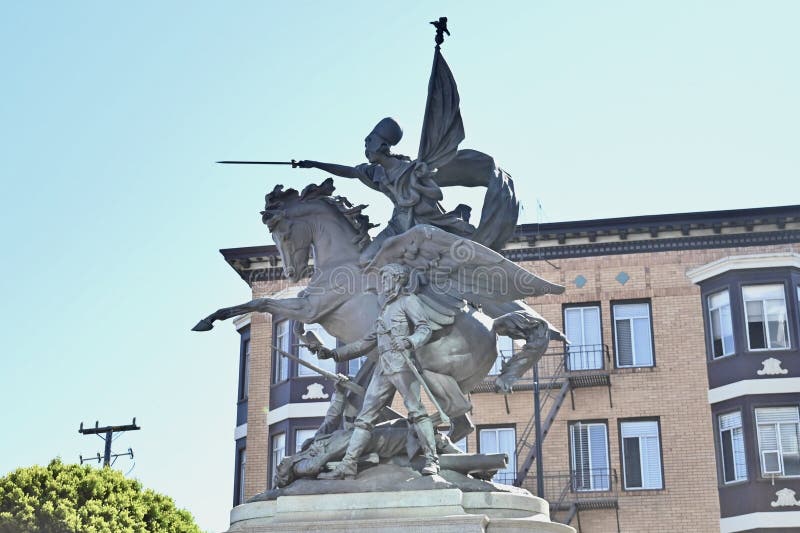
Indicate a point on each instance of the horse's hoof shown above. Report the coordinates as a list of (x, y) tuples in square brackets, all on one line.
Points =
[(203, 325)]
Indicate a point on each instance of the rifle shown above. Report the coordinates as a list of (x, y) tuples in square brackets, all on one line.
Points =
[(341, 379)]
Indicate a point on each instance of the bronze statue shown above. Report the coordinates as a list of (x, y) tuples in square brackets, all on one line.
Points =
[(401, 327)]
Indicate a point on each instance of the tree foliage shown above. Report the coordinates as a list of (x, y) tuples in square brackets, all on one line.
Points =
[(67, 498)]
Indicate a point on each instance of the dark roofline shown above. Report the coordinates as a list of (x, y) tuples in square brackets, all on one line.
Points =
[(665, 221), (605, 226)]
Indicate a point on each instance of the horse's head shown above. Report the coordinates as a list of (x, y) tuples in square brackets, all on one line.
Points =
[(295, 218)]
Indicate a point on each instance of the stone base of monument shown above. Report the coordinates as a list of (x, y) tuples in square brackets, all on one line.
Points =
[(450, 502)]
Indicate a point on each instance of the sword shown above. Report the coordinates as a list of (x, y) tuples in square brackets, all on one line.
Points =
[(343, 380), (442, 415), (292, 162)]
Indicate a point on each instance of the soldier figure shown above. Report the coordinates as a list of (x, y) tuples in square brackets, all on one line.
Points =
[(401, 327)]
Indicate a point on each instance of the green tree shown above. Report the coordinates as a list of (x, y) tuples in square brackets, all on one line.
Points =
[(67, 498)]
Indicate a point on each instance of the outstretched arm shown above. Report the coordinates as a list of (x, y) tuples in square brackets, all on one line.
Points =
[(343, 171)]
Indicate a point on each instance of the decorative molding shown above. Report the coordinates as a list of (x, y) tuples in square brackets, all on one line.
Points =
[(315, 391), (742, 262), (655, 245), (288, 292), (297, 410), (240, 432), (786, 498), (746, 522), (751, 387), (241, 321), (771, 367)]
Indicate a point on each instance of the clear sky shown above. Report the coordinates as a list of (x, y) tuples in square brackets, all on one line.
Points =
[(112, 114)]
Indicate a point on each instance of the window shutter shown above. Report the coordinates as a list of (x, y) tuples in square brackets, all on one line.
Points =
[(624, 343), (739, 457), (572, 325), (591, 326), (642, 342), (730, 420), (580, 457), (631, 311), (652, 461), (598, 456), (776, 415)]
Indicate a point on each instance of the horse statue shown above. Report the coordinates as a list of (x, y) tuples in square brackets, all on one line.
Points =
[(473, 290)]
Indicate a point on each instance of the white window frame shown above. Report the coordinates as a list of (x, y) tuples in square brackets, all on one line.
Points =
[(242, 471), (779, 450), (277, 453), (648, 317), (246, 380), (281, 371), (643, 468), (603, 470), (766, 322), (304, 354), (720, 308), (355, 364), (300, 438), (578, 346), (511, 470), (503, 354), (736, 439)]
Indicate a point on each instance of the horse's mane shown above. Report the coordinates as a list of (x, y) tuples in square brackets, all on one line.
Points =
[(278, 199)]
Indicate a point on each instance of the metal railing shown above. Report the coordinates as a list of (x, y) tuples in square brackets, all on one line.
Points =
[(586, 488), (581, 357)]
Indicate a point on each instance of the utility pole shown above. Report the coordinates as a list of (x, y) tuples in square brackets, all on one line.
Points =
[(106, 433)]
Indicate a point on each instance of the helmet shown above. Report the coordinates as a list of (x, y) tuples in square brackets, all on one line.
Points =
[(389, 130)]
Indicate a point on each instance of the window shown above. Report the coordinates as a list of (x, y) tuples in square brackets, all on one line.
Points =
[(278, 453), (634, 342), (589, 455), (641, 455), (778, 440), (582, 325), (329, 341), (246, 372), (302, 435), (765, 310), (282, 341), (461, 444), (242, 468), (354, 365), (734, 465), (505, 349), (501, 440), (721, 325)]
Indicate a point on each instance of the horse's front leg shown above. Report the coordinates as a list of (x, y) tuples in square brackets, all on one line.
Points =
[(300, 309)]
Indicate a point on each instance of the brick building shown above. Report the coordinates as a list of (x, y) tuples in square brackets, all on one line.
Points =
[(675, 408)]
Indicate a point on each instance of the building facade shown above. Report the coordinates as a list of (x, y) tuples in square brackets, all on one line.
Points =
[(674, 408)]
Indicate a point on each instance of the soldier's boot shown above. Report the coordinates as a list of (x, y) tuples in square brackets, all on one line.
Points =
[(427, 439), (348, 467)]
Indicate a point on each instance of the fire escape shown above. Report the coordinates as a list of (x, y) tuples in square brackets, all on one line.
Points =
[(569, 492)]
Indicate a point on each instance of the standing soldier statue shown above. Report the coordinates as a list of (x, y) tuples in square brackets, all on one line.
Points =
[(401, 328)]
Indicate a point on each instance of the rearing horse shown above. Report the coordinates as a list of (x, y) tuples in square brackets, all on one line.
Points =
[(338, 296)]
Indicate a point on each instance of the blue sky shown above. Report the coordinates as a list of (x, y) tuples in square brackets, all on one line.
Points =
[(111, 115)]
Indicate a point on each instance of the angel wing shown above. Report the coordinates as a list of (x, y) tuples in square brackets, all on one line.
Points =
[(446, 265), (442, 127)]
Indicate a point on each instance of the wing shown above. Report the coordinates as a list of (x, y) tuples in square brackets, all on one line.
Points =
[(445, 264), (442, 128)]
